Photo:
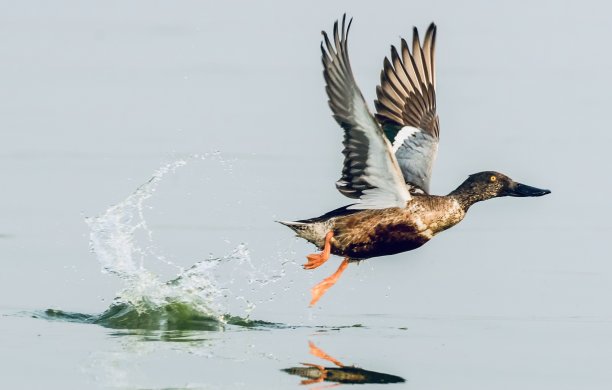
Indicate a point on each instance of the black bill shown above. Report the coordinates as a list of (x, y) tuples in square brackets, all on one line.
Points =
[(518, 189)]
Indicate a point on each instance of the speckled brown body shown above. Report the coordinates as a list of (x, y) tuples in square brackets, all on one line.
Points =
[(364, 234), (372, 233)]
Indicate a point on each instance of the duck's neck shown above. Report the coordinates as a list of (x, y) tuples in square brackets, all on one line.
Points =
[(467, 194)]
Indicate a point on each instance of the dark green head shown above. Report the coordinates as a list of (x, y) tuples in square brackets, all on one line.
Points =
[(490, 184)]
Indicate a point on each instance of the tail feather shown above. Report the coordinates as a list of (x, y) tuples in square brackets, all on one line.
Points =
[(310, 231), (295, 226)]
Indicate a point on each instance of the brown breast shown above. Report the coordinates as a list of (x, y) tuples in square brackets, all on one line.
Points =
[(372, 233)]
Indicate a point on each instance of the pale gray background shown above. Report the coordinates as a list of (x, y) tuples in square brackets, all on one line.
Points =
[(94, 96)]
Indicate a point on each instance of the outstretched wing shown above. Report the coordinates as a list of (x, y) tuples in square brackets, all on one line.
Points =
[(406, 107), (370, 171)]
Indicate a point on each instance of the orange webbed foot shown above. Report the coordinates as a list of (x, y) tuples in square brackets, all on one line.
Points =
[(317, 259), (321, 288)]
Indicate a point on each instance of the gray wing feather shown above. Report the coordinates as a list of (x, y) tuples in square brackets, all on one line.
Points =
[(370, 172), (406, 107), (415, 156)]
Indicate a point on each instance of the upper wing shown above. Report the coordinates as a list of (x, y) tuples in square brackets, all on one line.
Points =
[(406, 107), (370, 171)]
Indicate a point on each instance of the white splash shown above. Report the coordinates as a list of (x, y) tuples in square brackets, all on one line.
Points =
[(115, 239), (123, 244), (112, 236)]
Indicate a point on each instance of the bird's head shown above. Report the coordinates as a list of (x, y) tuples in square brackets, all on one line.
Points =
[(490, 184)]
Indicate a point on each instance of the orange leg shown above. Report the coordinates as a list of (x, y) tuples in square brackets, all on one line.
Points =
[(321, 288), (317, 259), (318, 352)]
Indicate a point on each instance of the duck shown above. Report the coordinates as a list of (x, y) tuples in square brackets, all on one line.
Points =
[(388, 161)]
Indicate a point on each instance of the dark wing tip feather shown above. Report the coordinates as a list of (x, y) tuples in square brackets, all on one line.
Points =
[(415, 34)]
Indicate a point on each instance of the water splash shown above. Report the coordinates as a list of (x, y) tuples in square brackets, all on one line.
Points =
[(123, 243), (112, 236)]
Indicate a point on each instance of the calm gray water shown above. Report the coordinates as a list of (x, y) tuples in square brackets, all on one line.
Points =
[(187, 282)]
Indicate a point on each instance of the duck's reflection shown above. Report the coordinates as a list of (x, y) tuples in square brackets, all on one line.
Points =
[(315, 373)]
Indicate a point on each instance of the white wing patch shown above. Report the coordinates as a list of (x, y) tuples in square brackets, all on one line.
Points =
[(402, 135)]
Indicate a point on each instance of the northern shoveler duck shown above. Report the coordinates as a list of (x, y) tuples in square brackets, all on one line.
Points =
[(388, 161)]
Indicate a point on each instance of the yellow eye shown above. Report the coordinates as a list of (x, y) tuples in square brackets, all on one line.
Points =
[(493, 178)]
